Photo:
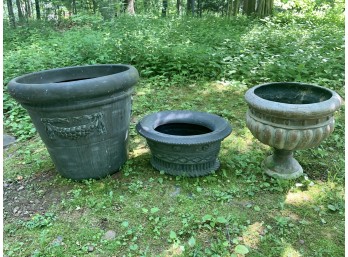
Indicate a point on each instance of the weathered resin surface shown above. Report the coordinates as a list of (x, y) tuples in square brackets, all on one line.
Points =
[(184, 143), (82, 115), (290, 116)]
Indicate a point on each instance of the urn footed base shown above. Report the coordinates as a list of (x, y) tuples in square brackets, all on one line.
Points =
[(281, 164)]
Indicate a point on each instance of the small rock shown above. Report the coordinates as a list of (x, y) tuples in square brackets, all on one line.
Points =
[(301, 242), (90, 248), (57, 241), (20, 188), (109, 235), (176, 191), (15, 209), (8, 140)]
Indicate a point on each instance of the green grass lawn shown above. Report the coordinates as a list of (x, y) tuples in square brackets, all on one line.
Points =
[(237, 209)]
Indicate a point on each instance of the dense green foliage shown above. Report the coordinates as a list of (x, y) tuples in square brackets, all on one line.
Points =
[(284, 48)]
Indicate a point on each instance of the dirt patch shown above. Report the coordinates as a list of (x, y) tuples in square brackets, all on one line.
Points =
[(25, 197)]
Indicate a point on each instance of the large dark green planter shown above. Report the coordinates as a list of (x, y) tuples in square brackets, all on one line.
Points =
[(82, 114), (184, 143)]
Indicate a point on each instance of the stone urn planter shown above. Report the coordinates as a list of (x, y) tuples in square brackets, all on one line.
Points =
[(290, 116), (184, 143), (82, 115)]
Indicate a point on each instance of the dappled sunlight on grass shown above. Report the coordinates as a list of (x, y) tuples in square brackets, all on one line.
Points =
[(237, 144), (139, 147), (139, 151), (289, 251), (299, 198), (173, 250), (225, 85), (252, 235)]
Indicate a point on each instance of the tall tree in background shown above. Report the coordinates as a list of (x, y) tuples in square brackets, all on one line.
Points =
[(130, 7), (191, 7), (249, 7), (19, 10), (37, 9), (261, 8), (178, 7), (27, 8), (164, 8), (11, 14), (264, 8)]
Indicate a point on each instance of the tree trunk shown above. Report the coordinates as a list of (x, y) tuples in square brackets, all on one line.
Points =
[(94, 6), (191, 7), (19, 8), (164, 8), (249, 7), (199, 7), (236, 5), (178, 7), (37, 8), (264, 8), (27, 9), (74, 9), (11, 14), (130, 7)]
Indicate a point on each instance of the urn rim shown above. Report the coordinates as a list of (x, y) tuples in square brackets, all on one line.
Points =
[(219, 127), (72, 84), (293, 110)]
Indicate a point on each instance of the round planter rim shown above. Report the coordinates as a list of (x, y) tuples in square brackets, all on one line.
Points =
[(88, 83), (219, 126), (293, 110)]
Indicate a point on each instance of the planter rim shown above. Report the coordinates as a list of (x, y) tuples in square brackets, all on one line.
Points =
[(72, 84), (287, 110), (219, 127)]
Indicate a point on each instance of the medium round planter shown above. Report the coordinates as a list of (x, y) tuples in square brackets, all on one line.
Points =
[(290, 116), (82, 115), (184, 143)]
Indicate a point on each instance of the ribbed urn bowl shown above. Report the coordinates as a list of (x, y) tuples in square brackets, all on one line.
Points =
[(290, 116), (184, 143)]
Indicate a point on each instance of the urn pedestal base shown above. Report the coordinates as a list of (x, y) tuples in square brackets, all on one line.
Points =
[(281, 164)]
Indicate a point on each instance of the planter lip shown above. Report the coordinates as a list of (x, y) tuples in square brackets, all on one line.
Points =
[(72, 84), (219, 126), (287, 110)]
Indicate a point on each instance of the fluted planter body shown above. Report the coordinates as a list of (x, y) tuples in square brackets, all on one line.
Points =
[(290, 116), (184, 143), (82, 114)]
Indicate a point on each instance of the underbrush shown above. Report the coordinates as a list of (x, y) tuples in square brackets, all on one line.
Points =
[(287, 47)]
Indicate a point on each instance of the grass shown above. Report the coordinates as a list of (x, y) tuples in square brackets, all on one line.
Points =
[(153, 214), (198, 64)]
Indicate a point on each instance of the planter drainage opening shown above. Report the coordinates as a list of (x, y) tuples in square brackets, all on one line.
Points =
[(82, 115), (184, 143)]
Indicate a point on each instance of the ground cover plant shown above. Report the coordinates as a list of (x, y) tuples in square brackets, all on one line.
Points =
[(185, 63)]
